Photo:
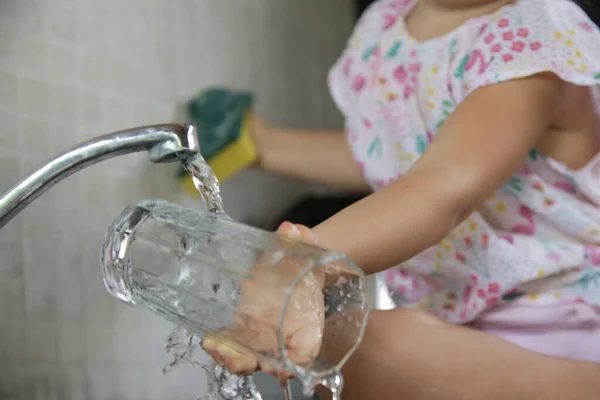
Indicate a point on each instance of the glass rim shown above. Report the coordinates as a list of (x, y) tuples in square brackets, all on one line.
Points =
[(115, 251), (302, 373)]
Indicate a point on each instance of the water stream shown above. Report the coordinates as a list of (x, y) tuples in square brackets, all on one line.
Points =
[(185, 347)]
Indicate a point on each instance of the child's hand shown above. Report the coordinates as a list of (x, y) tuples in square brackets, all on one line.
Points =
[(259, 132), (260, 311)]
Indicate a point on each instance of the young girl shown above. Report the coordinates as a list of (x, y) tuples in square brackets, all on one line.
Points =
[(476, 123)]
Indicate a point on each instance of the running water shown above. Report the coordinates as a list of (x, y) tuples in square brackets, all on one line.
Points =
[(206, 184), (185, 347)]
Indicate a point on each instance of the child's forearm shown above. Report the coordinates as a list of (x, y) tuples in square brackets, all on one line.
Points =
[(408, 354), (398, 222), (321, 157)]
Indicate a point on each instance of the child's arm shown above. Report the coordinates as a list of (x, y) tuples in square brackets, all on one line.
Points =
[(409, 354), (322, 157), (476, 150)]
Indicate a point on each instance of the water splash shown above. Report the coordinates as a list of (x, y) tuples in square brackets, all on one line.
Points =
[(334, 382), (185, 348), (224, 385), (182, 345)]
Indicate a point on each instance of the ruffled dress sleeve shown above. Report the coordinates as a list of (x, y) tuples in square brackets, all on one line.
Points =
[(529, 38)]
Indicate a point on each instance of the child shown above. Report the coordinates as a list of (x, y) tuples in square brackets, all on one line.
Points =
[(476, 123)]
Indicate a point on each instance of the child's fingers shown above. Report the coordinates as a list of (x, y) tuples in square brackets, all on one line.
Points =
[(290, 231), (298, 232), (236, 361), (308, 235)]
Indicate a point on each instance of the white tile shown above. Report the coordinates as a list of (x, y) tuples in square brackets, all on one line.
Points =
[(40, 341), (33, 97), (71, 344), (91, 71), (62, 61), (94, 185), (32, 18), (99, 305), (100, 383), (152, 339), (92, 241), (9, 52), (33, 57), (86, 132), (9, 19), (90, 108), (9, 139), (63, 22), (40, 231), (99, 344), (70, 284), (187, 382), (156, 384), (69, 304), (12, 231), (130, 385), (62, 135), (71, 384), (124, 189), (117, 75), (128, 348), (11, 384), (117, 114), (66, 197), (9, 164), (40, 294), (12, 341), (11, 261), (67, 259), (62, 100), (10, 92), (38, 269), (142, 113), (35, 137), (12, 299), (41, 382)]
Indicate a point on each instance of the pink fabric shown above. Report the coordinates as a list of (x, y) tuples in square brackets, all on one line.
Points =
[(538, 237), (567, 329)]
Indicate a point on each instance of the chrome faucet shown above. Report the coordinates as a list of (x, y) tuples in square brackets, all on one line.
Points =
[(164, 143)]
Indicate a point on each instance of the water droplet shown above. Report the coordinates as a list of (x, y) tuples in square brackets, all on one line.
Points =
[(335, 383)]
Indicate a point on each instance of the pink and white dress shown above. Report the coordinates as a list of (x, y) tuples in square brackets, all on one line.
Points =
[(534, 247)]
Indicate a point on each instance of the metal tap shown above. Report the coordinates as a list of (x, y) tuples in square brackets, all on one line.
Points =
[(164, 143)]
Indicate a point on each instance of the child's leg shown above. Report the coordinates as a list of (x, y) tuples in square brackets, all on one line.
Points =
[(564, 329), (410, 354)]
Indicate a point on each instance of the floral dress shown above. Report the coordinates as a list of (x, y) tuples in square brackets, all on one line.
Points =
[(537, 239)]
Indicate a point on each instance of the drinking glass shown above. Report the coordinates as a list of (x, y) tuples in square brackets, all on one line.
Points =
[(194, 269)]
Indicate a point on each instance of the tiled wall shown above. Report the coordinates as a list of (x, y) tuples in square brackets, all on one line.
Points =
[(73, 69)]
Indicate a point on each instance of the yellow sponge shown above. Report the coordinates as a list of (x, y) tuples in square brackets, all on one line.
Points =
[(238, 155)]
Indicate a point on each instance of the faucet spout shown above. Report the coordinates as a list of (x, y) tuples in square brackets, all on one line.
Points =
[(164, 143)]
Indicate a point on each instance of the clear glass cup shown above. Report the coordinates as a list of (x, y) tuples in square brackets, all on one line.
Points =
[(209, 274)]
